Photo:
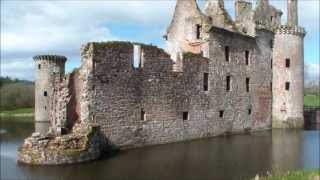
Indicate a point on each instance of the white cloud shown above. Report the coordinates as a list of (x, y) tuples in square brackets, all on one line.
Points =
[(60, 27)]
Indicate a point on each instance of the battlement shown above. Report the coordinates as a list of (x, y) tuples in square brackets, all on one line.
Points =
[(295, 30), (55, 58)]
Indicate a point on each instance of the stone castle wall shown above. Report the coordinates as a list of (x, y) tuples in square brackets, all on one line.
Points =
[(145, 105)]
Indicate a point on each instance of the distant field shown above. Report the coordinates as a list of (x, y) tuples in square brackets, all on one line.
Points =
[(21, 112), (294, 175), (312, 100)]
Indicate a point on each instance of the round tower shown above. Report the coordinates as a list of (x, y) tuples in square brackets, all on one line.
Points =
[(288, 73), (47, 68)]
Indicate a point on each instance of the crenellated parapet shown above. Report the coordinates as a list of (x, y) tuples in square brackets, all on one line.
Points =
[(54, 58), (294, 30)]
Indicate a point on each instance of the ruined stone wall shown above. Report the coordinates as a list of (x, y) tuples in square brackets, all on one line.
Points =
[(146, 105)]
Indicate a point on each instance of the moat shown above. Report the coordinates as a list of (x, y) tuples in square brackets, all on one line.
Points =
[(228, 157)]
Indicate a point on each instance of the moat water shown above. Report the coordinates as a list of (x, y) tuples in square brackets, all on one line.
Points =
[(227, 157)]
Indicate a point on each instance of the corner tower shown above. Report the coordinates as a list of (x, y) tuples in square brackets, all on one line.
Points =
[(288, 67), (47, 68)]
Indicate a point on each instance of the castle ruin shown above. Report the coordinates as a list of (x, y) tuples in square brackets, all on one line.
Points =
[(216, 76)]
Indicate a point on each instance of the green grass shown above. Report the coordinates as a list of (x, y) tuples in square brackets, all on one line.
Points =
[(21, 112), (312, 100), (294, 175)]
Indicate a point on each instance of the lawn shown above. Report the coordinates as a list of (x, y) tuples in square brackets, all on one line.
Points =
[(21, 112), (293, 175), (312, 100)]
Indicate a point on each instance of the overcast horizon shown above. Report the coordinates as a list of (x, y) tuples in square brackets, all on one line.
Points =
[(29, 28)]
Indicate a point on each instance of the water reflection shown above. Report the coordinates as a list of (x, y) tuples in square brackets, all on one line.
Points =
[(229, 157)]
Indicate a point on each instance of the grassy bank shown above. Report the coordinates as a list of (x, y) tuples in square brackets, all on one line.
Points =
[(312, 100), (293, 175), (21, 112)]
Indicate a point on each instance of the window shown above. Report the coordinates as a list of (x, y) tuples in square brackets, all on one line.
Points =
[(45, 93), (136, 56), (287, 63), (228, 87), (271, 44), (271, 19), (221, 114), (205, 81), (287, 86), (39, 66), (185, 116), (226, 52), (270, 86), (247, 57), (271, 62), (249, 111), (247, 84), (198, 26), (142, 115)]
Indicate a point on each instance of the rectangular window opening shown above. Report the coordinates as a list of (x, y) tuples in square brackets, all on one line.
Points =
[(198, 31), (247, 57), (45, 93), (247, 84), (228, 86), (185, 116), (249, 111), (226, 52), (205, 81), (143, 115), (271, 44), (39, 66), (271, 62), (136, 56), (271, 86), (287, 63), (287, 86), (221, 113)]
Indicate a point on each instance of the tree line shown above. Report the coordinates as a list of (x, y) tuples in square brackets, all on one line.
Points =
[(15, 93)]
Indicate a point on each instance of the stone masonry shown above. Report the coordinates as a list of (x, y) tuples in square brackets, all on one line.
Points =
[(216, 76)]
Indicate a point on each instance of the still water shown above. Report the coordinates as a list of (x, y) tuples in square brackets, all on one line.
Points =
[(229, 157)]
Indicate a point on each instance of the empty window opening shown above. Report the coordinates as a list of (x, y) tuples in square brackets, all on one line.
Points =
[(221, 113), (247, 84), (247, 57), (45, 107), (271, 44), (228, 86), (143, 115), (205, 81), (137, 56), (271, 62), (249, 111), (226, 52), (39, 66), (45, 93), (271, 86), (185, 116), (271, 19), (287, 86), (198, 26), (287, 63)]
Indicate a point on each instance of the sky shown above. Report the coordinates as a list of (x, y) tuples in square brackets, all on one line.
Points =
[(30, 28)]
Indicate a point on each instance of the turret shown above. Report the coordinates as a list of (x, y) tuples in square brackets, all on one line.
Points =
[(183, 27), (47, 68), (292, 13), (288, 67)]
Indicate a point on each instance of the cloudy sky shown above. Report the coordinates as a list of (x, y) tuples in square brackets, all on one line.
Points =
[(60, 27)]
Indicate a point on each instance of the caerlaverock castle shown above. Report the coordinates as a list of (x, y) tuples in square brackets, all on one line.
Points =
[(216, 76)]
